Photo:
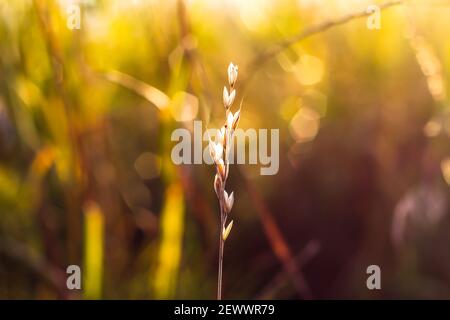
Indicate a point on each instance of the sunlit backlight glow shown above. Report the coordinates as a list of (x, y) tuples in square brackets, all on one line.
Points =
[(305, 124), (184, 106)]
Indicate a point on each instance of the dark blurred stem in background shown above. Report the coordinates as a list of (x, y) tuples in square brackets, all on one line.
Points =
[(278, 243), (311, 249), (72, 191)]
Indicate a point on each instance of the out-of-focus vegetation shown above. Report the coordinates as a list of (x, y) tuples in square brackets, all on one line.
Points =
[(86, 176)]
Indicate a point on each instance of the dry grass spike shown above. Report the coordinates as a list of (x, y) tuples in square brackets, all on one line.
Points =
[(220, 150)]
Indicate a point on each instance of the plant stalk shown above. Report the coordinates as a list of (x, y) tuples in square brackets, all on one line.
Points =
[(221, 246)]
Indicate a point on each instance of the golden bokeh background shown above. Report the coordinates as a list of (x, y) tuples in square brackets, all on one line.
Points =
[(86, 176)]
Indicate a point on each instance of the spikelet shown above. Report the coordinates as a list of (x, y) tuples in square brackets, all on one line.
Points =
[(226, 231), (220, 148)]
